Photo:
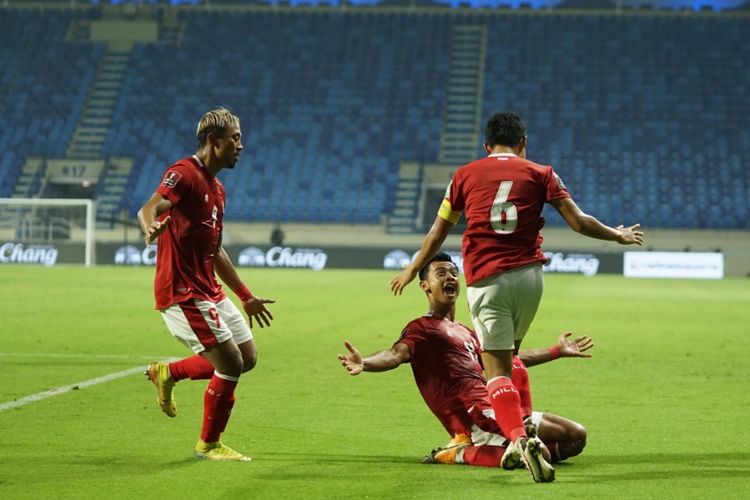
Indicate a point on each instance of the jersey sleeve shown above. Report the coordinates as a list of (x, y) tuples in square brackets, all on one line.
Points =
[(554, 186), (174, 184), (412, 336), (453, 202)]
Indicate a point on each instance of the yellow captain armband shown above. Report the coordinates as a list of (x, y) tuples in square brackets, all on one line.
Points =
[(447, 213)]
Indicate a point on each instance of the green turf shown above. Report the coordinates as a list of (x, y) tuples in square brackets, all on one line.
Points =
[(664, 398)]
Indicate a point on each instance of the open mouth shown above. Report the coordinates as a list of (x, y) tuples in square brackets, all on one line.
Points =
[(450, 288)]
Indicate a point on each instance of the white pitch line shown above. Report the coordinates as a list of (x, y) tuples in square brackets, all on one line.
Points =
[(62, 390), (79, 355)]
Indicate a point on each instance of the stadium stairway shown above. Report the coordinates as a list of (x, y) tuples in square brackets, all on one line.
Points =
[(460, 127), (92, 128), (29, 181), (111, 191), (329, 113), (171, 27), (463, 106), (408, 190)]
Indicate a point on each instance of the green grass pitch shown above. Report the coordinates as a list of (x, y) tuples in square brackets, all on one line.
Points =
[(665, 398)]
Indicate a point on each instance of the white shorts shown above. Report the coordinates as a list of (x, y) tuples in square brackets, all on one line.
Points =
[(200, 324), (480, 437), (504, 305)]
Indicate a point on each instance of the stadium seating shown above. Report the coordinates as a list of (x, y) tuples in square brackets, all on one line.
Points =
[(639, 115), (330, 103), (43, 86), (643, 116)]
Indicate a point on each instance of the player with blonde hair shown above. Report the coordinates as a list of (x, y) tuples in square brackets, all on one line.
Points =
[(185, 215)]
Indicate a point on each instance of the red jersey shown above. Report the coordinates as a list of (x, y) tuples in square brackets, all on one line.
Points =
[(186, 249), (446, 368), (502, 197)]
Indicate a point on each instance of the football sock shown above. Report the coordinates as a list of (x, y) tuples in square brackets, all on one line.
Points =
[(506, 403), (195, 368), (520, 378), (218, 401), (483, 456)]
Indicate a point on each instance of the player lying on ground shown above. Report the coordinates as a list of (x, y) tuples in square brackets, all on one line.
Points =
[(444, 356)]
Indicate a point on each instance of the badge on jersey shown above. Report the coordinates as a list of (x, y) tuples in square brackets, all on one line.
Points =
[(559, 181), (171, 179)]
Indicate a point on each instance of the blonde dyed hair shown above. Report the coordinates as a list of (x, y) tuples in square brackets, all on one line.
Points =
[(215, 121)]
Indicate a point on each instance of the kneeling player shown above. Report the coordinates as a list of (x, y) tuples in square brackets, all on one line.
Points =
[(444, 356)]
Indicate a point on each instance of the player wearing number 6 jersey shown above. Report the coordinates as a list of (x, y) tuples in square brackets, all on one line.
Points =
[(502, 197), (185, 214)]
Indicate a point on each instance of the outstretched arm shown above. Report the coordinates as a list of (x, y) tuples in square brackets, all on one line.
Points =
[(565, 348), (148, 217), (380, 361), (255, 307), (587, 225), (431, 244)]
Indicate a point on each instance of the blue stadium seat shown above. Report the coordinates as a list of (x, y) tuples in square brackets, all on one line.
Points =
[(635, 89), (332, 101), (43, 85)]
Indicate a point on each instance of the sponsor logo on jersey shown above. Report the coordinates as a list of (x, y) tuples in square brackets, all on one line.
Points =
[(171, 179), (16, 253), (573, 263)]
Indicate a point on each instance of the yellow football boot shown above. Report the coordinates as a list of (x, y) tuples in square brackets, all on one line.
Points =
[(218, 452), (158, 373)]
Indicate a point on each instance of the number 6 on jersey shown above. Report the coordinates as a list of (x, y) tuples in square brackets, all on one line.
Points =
[(503, 214)]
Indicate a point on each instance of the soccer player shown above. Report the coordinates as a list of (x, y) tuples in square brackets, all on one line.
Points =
[(502, 197), (185, 214), (444, 357)]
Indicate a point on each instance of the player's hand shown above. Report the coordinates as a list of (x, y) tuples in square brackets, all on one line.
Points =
[(574, 348), (353, 361), (256, 308), (156, 228), (399, 282), (629, 235)]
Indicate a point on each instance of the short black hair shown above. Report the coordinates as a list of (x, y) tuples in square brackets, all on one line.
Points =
[(504, 129), (439, 257)]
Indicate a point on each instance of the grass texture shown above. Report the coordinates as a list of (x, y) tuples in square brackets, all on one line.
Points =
[(664, 398)]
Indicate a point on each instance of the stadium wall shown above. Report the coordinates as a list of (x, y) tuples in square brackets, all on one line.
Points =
[(735, 245), (366, 246)]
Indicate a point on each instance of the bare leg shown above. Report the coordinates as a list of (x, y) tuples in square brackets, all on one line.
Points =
[(249, 355), (569, 436), (226, 358)]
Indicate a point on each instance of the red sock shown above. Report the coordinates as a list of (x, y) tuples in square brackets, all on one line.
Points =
[(520, 378), (218, 401), (506, 403), (195, 368), (483, 456)]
